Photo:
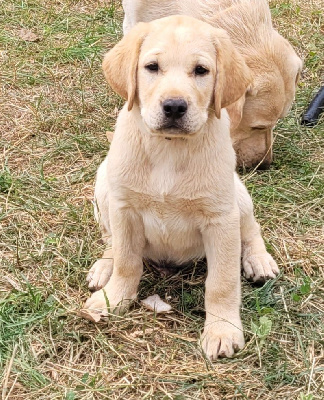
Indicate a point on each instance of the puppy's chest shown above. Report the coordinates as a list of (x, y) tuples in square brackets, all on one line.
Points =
[(172, 198), (173, 175), (164, 180), (170, 186), (170, 189), (165, 184)]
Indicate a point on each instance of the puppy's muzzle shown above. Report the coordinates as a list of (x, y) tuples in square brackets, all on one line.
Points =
[(174, 109)]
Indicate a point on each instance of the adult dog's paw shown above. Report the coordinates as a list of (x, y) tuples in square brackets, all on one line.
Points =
[(100, 273), (222, 340), (260, 267)]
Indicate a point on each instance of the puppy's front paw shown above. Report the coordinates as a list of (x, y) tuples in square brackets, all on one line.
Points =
[(221, 339), (100, 273), (259, 267)]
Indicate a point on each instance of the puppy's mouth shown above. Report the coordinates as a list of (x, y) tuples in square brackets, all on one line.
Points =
[(172, 129)]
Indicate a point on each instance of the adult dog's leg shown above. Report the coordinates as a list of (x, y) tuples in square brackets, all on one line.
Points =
[(223, 332), (102, 269), (128, 242), (258, 264), (130, 15)]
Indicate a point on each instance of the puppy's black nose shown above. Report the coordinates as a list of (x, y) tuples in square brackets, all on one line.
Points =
[(174, 108)]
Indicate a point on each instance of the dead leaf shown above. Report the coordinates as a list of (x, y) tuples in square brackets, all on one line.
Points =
[(155, 303), (91, 316), (12, 282), (142, 333), (28, 35)]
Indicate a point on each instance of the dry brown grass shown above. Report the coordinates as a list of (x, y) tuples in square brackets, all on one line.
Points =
[(55, 110)]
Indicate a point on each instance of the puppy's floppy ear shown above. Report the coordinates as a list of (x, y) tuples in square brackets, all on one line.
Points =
[(120, 63), (233, 76)]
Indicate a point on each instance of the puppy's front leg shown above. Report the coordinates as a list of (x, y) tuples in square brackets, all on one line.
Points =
[(223, 333), (128, 242)]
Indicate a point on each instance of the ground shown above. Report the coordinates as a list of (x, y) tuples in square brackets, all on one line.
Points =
[(55, 111)]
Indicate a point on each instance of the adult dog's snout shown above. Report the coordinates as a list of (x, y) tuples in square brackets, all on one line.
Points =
[(174, 108)]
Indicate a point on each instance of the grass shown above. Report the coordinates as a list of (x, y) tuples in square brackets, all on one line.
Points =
[(55, 110)]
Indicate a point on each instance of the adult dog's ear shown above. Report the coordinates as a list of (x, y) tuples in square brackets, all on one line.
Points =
[(233, 76), (235, 112), (120, 63)]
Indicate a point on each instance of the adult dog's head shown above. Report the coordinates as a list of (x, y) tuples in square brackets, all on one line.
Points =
[(179, 71), (275, 70)]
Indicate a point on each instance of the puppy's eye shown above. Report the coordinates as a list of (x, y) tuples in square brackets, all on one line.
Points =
[(200, 70), (152, 67)]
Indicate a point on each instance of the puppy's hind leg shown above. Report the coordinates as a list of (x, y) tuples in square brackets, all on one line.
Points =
[(258, 264), (102, 269)]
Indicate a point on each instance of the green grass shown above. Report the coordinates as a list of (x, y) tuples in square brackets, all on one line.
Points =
[(55, 110)]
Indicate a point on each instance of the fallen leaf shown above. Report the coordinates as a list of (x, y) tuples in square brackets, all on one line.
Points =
[(28, 35), (91, 316), (155, 303), (12, 282), (142, 333)]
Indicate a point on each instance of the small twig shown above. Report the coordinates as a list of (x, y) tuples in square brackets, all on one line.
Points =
[(284, 302), (7, 374), (311, 376), (314, 176), (259, 352), (12, 387)]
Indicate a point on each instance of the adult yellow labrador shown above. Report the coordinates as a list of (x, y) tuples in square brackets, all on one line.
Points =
[(167, 190), (273, 63)]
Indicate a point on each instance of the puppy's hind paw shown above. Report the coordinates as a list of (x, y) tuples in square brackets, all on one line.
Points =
[(259, 268)]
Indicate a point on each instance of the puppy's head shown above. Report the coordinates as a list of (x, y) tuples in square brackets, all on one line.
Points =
[(178, 70)]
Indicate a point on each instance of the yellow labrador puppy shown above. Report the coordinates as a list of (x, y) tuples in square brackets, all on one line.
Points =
[(167, 190), (274, 65)]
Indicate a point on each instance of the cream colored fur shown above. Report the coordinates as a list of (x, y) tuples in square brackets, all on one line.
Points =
[(274, 65), (179, 199)]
